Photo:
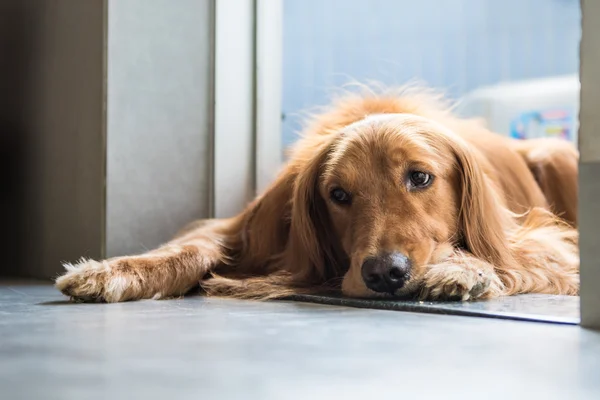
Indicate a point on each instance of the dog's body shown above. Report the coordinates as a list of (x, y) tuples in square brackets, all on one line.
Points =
[(385, 195)]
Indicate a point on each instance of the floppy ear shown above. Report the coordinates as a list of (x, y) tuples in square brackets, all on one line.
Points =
[(312, 245), (483, 220), (281, 244)]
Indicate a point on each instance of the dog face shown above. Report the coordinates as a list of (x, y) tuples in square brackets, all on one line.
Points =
[(392, 199), (397, 193)]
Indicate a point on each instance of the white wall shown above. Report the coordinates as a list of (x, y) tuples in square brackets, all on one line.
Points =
[(158, 120)]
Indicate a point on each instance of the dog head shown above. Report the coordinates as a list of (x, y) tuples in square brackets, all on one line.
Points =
[(385, 197)]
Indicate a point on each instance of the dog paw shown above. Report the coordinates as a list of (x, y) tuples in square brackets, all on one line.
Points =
[(456, 282), (89, 281)]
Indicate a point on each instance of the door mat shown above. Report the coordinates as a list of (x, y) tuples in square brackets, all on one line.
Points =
[(527, 307)]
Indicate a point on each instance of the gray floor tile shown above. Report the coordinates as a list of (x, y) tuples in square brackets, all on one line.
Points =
[(207, 348)]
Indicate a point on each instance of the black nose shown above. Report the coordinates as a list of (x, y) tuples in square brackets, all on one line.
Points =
[(386, 273)]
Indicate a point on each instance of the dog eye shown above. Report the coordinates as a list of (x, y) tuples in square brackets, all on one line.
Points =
[(420, 179), (340, 196)]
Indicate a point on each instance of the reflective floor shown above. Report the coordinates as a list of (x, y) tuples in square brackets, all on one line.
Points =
[(206, 348)]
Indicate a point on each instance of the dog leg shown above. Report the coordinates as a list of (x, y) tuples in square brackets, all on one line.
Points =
[(460, 277), (170, 270)]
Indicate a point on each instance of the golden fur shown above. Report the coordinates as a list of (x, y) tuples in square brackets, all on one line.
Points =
[(499, 218)]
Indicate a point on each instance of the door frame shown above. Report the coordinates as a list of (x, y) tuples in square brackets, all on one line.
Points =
[(247, 101)]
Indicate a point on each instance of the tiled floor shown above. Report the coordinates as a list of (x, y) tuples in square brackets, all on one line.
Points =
[(202, 348)]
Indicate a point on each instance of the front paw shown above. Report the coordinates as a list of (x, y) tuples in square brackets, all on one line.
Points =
[(89, 280), (448, 281)]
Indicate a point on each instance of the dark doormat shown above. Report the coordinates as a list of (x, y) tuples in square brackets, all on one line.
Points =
[(528, 307)]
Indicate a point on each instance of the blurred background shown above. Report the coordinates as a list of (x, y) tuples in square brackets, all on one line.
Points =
[(470, 49)]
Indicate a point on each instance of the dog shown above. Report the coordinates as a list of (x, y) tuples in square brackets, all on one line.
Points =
[(386, 195)]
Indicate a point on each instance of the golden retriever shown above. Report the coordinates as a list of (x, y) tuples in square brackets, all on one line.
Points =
[(386, 194)]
